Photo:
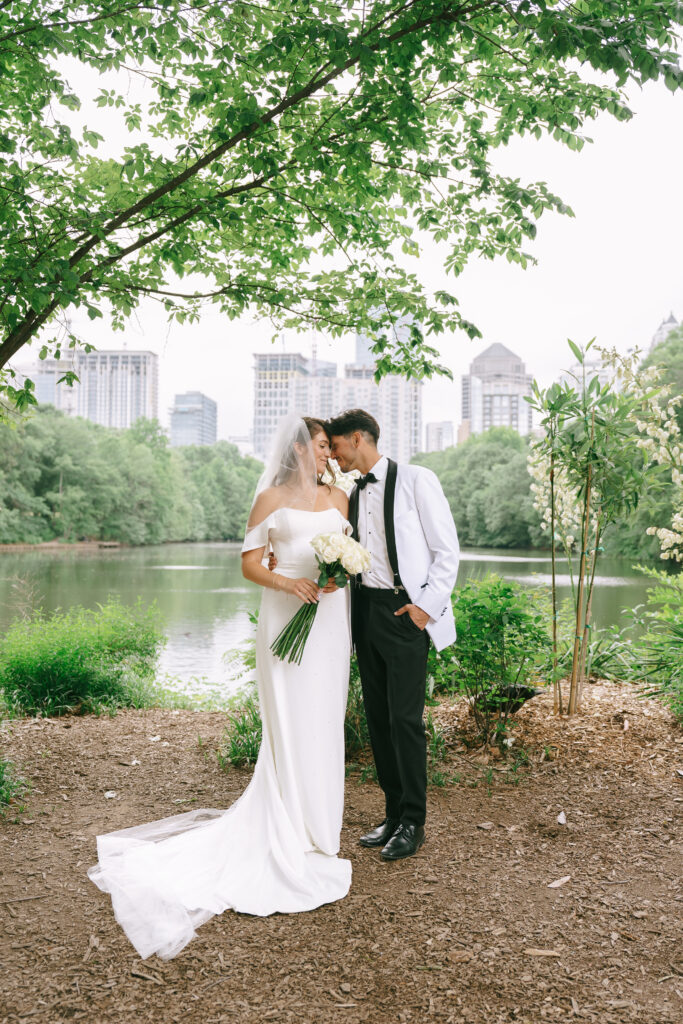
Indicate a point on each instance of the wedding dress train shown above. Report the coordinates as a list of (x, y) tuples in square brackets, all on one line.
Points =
[(275, 850)]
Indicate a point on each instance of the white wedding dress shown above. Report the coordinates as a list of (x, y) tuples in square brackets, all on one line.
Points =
[(275, 850)]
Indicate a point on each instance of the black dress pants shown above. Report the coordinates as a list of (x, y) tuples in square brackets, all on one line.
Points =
[(392, 658)]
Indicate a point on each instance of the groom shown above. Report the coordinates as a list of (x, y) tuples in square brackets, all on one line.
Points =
[(400, 514)]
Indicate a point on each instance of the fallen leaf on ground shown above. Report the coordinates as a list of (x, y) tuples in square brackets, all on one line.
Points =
[(559, 881)]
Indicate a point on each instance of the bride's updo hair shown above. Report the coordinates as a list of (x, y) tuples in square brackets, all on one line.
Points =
[(290, 465)]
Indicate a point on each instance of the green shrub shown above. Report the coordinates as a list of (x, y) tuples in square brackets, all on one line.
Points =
[(609, 654), (503, 641), (658, 652), (81, 660)]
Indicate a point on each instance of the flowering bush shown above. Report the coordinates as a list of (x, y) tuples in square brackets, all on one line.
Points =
[(658, 435), (608, 436)]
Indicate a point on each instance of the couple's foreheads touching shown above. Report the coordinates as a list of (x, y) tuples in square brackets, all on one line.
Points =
[(352, 436)]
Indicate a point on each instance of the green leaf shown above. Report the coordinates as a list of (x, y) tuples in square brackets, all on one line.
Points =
[(578, 354)]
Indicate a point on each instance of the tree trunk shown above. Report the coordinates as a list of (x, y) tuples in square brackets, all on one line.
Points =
[(579, 619), (557, 689), (587, 620)]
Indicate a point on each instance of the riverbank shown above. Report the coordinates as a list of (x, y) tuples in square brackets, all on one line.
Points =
[(62, 545), (469, 930)]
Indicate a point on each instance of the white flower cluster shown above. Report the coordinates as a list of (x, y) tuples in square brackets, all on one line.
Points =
[(344, 481), (660, 439), (670, 541), (567, 507), (337, 547), (655, 415)]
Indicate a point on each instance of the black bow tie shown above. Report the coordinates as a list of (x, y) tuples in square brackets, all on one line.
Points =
[(363, 481)]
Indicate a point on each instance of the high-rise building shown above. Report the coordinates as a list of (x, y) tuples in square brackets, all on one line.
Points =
[(118, 387), (395, 402), (289, 382), (282, 385), (493, 393), (664, 330), (114, 388), (45, 375), (193, 419), (439, 436)]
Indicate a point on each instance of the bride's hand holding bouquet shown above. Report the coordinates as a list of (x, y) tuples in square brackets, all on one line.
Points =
[(338, 557)]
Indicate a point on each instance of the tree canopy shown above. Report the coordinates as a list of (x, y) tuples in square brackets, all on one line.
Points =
[(288, 150)]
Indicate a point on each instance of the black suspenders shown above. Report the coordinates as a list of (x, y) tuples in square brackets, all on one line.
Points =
[(389, 531)]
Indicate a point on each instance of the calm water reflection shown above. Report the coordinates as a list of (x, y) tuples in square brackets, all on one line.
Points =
[(205, 602)]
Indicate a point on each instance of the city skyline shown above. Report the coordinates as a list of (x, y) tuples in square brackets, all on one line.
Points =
[(46, 373), (287, 382)]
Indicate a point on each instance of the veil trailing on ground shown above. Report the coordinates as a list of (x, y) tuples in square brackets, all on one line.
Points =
[(290, 479)]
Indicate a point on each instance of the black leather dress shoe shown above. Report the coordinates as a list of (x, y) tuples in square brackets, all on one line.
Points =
[(380, 835), (406, 840)]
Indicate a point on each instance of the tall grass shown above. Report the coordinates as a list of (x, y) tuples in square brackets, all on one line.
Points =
[(356, 735), (81, 660), (12, 786), (241, 739)]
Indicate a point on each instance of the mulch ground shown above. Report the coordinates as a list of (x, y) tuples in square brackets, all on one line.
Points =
[(470, 930)]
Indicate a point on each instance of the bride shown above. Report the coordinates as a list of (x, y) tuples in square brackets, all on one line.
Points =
[(275, 850)]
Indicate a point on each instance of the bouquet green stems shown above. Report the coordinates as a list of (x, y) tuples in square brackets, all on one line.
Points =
[(290, 642), (342, 556)]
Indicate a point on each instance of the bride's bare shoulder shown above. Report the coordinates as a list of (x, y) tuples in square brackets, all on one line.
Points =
[(341, 500), (266, 502)]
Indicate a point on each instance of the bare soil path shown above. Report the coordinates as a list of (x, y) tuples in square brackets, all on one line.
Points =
[(470, 930)]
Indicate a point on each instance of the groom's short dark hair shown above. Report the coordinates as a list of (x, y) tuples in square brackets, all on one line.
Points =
[(354, 419)]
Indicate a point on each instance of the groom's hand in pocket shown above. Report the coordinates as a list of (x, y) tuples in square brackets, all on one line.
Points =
[(419, 617)]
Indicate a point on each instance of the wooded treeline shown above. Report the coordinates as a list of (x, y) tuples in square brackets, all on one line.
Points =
[(72, 479), (488, 487)]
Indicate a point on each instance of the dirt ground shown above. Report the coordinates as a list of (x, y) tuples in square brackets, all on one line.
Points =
[(470, 930)]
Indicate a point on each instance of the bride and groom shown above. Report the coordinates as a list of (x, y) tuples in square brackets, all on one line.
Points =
[(275, 850)]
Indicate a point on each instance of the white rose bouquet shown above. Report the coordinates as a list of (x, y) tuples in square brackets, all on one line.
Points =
[(338, 557)]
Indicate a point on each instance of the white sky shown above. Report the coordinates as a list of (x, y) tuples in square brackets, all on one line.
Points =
[(613, 272)]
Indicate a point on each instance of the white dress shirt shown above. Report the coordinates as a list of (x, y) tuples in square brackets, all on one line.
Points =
[(371, 533)]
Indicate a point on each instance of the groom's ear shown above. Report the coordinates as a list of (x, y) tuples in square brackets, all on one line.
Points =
[(356, 437)]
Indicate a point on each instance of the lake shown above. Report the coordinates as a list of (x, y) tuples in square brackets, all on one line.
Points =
[(205, 602)]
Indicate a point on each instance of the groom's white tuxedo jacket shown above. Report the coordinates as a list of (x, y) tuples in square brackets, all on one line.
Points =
[(427, 548)]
